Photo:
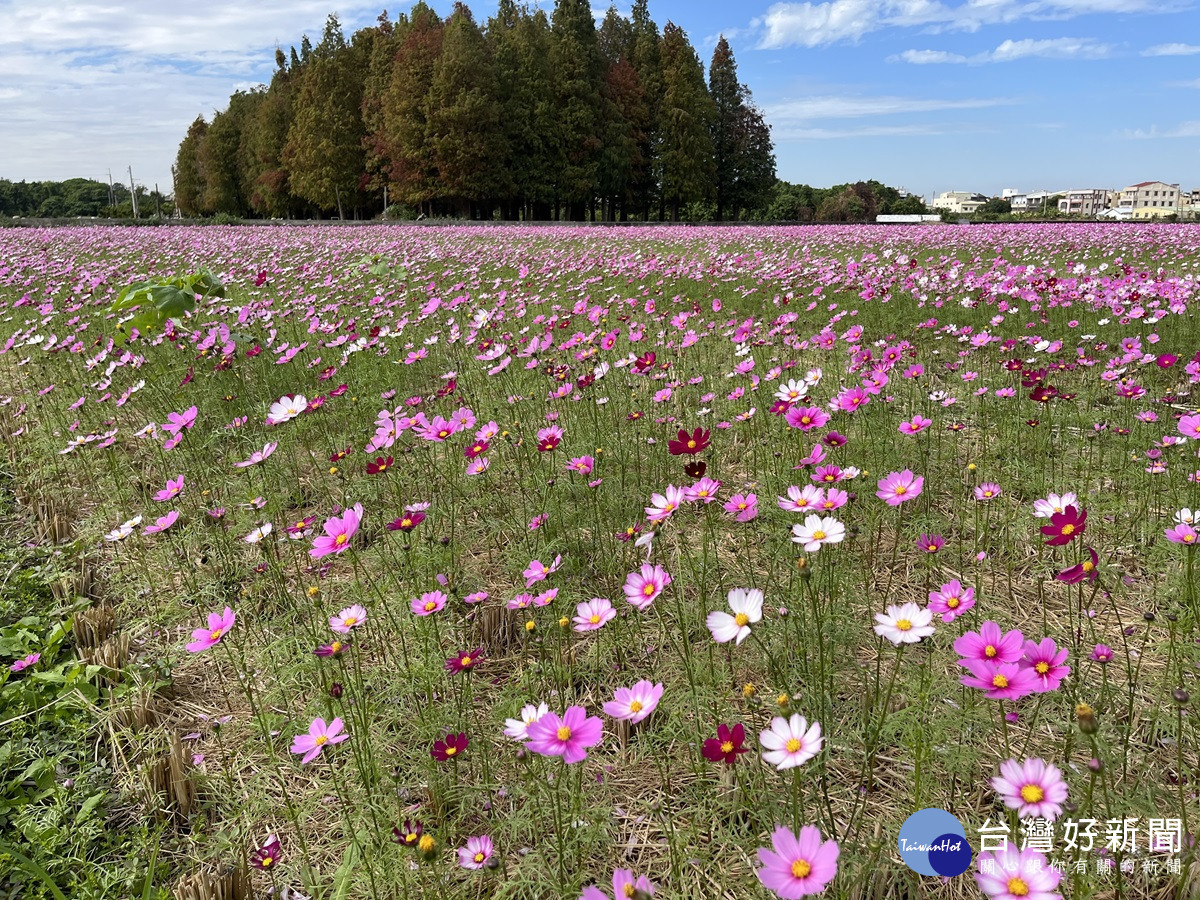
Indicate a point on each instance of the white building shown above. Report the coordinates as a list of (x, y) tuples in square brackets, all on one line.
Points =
[(1150, 196), (962, 202), (1032, 201), (1086, 201)]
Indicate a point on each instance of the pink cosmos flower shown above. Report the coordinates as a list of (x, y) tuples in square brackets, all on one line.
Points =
[(664, 505), (916, 425), (1179, 534), (177, 422), (428, 603), (338, 532), (1045, 659), (258, 456), (319, 735), (348, 618), (797, 866), (643, 587), (987, 491), (1034, 788), (1189, 426), (804, 499), (743, 506), (636, 703), (990, 645), (703, 491), (476, 853), (593, 614), (791, 742), (582, 464), (1009, 874), (171, 491), (1000, 681), (568, 736), (931, 543), (536, 571), (624, 884), (25, 662), (951, 600), (162, 523), (899, 487), (806, 418)]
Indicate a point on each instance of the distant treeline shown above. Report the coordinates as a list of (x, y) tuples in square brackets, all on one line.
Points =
[(77, 197), (526, 117)]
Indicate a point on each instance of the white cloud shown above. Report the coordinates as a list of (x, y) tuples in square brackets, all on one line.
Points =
[(1171, 50), (826, 134), (807, 109), (1008, 51), (811, 24), (1183, 130)]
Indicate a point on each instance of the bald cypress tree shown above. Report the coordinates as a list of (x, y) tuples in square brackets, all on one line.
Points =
[(685, 119), (411, 168), (577, 68), (647, 61), (189, 180)]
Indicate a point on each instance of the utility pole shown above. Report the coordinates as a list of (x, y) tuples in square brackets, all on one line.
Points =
[(112, 198), (132, 193)]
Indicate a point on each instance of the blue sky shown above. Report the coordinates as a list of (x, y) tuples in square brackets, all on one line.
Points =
[(930, 95)]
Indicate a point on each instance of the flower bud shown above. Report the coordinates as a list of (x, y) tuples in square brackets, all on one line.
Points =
[(1180, 696), (1085, 717), (335, 690)]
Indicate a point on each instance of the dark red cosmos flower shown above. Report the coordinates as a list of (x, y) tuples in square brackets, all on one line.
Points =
[(1014, 365), (1065, 526), (548, 443), (956, 426), (689, 444), (339, 455), (1033, 377), (451, 746), (334, 649), (476, 449), (629, 533), (1032, 423), (254, 351), (642, 363), (267, 855), (1043, 393), (634, 416), (464, 662), (409, 835), (727, 745), (695, 468), (834, 439), (1086, 569), (448, 388), (327, 373), (381, 464), (261, 279), (406, 522)]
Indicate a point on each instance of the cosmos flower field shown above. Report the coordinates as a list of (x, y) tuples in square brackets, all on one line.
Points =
[(627, 562)]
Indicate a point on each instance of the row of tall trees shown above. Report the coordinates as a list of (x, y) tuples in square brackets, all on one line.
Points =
[(528, 116)]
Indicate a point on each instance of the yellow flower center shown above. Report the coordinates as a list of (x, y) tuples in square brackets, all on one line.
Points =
[(801, 868), (1067, 529), (595, 620), (215, 634), (952, 602), (830, 478), (741, 506), (465, 661), (1017, 887), (430, 606), (999, 681), (819, 535), (793, 745), (478, 857), (691, 445), (670, 507), (806, 420), (426, 843), (1032, 793), (349, 621), (320, 739), (635, 706), (629, 890), (990, 651), (1088, 565), (1042, 667), (727, 747), (406, 522), (341, 539), (703, 493), (1188, 538), (336, 646), (742, 620), (450, 751), (901, 489), (564, 733), (266, 862), (904, 624), (299, 524), (410, 838), (648, 590)]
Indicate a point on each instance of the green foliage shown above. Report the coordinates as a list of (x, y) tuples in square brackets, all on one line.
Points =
[(156, 301)]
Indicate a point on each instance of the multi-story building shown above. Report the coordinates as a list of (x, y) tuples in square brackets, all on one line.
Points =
[(1031, 201), (1150, 198), (964, 202), (1086, 201)]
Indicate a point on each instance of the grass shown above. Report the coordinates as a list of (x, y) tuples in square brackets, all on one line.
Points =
[(901, 732)]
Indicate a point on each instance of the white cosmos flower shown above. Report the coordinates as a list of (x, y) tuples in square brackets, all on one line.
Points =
[(818, 531), (746, 604), (792, 391), (791, 742), (1044, 509), (905, 624), (258, 533), (517, 728), (286, 408)]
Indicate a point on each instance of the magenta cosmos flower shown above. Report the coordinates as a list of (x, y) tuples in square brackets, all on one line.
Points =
[(162, 523), (916, 426), (1046, 660), (1034, 788), (25, 662), (742, 506), (1084, 570), (428, 603), (172, 489), (477, 852), (350, 617), (319, 735), (990, 644), (951, 600), (218, 624), (1182, 534), (797, 866), (899, 487), (1065, 526), (643, 587), (338, 532), (989, 490), (1000, 681), (1011, 874), (568, 736), (636, 703)]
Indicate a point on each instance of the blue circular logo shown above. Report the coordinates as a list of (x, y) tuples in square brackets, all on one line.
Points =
[(933, 842)]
